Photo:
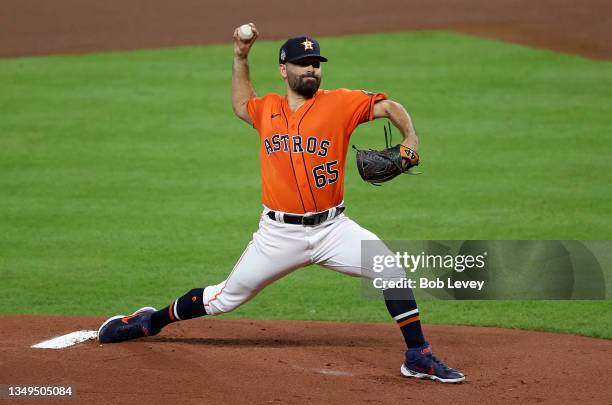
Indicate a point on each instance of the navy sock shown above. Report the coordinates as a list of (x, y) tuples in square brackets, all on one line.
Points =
[(190, 305), (403, 308)]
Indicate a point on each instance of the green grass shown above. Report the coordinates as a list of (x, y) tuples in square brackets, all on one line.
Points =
[(126, 180)]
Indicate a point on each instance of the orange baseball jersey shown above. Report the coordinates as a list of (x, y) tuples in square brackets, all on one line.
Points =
[(303, 152)]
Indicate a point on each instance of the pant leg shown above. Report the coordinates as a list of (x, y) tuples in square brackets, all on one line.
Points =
[(275, 250), (338, 247)]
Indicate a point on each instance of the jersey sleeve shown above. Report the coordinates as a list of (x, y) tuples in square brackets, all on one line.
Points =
[(361, 106), (255, 108)]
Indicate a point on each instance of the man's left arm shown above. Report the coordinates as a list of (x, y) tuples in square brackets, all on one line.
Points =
[(398, 115)]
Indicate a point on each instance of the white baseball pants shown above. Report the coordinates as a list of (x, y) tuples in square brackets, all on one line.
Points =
[(278, 248)]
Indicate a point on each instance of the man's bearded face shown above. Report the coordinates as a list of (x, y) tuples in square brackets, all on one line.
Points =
[(304, 76)]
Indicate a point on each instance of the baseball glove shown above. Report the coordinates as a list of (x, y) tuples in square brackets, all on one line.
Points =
[(380, 166)]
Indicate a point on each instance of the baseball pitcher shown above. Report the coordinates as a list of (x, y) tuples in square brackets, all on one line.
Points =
[(303, 141)]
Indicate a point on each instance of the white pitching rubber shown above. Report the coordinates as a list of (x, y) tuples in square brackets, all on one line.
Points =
[(71, 339)]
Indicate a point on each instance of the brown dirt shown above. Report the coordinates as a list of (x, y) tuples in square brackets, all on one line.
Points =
[(241, 361), (41, 27)]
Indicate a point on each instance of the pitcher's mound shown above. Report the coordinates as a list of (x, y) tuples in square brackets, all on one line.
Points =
[(241, 361)]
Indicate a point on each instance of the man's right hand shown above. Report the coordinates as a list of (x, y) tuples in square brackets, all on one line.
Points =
[(241, 46)]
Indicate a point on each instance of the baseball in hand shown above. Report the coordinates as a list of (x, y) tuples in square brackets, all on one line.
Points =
[(245, 32)]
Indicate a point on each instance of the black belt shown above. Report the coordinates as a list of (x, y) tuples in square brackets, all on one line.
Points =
[(307, 220)]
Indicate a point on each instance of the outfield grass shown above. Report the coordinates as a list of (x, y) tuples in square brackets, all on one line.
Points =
[(126, 180)]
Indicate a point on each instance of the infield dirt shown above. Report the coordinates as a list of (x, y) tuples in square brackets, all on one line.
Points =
[(296, 362), (42, 27)]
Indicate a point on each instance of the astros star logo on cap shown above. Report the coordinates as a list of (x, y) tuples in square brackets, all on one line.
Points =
[(307, 44)]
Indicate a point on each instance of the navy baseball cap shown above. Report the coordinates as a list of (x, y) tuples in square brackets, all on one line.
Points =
[(299, 48)]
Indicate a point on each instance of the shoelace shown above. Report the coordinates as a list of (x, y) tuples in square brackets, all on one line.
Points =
[(439, 362)]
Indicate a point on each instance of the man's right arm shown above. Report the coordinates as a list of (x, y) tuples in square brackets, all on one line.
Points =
[(242, 88)]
